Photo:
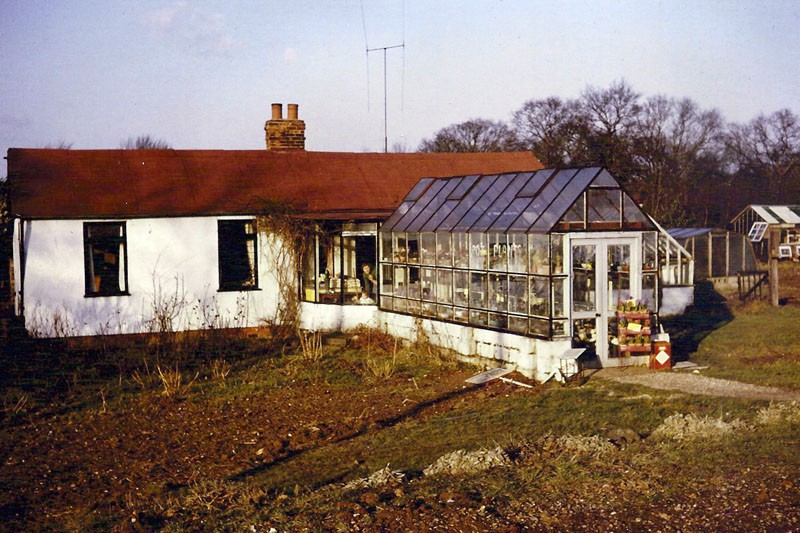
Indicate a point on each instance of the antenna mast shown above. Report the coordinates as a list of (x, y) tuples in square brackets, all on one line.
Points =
[(385, 114)]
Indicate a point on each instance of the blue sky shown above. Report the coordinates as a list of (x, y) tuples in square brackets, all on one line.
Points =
[(203, 74)]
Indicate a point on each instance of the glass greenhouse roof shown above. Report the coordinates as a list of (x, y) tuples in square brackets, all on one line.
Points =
[(526, 202)]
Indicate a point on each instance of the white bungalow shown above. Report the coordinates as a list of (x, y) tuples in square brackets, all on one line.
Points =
[(504, 260)]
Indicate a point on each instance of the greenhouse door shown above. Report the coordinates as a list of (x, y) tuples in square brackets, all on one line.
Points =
[(603, 272)]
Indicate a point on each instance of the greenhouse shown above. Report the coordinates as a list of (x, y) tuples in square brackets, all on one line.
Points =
[(547, 255)]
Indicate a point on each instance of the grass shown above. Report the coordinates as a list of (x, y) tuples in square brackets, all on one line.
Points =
[(761, 347), (554, 436)]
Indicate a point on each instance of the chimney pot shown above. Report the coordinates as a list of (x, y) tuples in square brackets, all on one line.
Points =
[(292, 111), (277, 111)]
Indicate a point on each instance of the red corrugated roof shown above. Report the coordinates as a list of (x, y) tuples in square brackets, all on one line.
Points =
[(48, 183)]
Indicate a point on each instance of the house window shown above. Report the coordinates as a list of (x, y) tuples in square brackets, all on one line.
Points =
[(105, 258), (238, 258)]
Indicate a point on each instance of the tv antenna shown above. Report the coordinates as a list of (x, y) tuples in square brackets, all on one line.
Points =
[(384, 49)]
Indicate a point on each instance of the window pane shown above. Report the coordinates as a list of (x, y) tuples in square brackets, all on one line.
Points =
[(498, 251), (444, 286), (518, 324), (237, 254), (461, 250), (399, 247), (400, 281), (427, 283), (386, 247), (444, 255), (477, 290), (413, 247), (414, 283), (559, 290), (105, 261), (517, 252), (477, 251), (557, 253), (604, 208), (518, 294), (444, 312), (540, 296), (387, 279), (479, 318), (538, 248), (460, 314), (649, 247), (540, 327), (584, 282), (461, 288), (619, 276), (498, 292), (498, 320), (427, 254)]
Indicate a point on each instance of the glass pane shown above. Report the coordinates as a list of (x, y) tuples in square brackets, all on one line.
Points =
[(477, 251), (387, 279), (518, 324), (400, 305), (420, 205), (540, 327), (469, 200), (413, 247), (498, 320), (463, 186), (386, 247), (400, 281), (418, 189), (414, 283), (510, 214), (649, 247), (444, 255), (540, 296), (535, 183), (414, 307), (479, 318), (427, 242), (517, 252), (559, 290), (573, 218), (401, 210), (427, 282), (604, 179), (584, 335), (498, 292), (460, 314), (538, 249), (583, 277), (444, 286), (387, 302), (559, 328), (444, 312), (518, 294), (399, 248), (461, 288), (570, 189), (634, 217), (604, 208), (557, 253), (461, 250), (619, 276), (428, 309), (311, 277), (498, 251), (433, 205), (541, 203), (649, 290), (500, 204), (432, 224), (482, 203), (477, 290)]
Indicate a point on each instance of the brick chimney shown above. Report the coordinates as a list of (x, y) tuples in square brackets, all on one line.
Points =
[(285, 134)]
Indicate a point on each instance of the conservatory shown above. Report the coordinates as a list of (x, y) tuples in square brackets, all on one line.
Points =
[(527, 265)]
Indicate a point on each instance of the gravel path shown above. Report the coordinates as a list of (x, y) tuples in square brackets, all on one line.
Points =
[(693, 383)]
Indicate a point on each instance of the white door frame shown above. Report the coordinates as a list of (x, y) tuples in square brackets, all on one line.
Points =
[(605, 304)]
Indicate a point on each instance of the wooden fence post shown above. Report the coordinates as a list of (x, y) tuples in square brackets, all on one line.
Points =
[(774, 241)]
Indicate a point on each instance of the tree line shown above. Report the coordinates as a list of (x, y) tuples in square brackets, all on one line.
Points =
[(685, 164)]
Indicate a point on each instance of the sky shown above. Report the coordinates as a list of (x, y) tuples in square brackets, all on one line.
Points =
[(202, 75)]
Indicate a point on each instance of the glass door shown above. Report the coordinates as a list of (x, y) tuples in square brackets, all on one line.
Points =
[(603, 273)]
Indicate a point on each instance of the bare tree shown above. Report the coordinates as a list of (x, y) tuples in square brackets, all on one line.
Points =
[(768, 148), (549, 128), (145, 142), (477, 135), (61, 144)]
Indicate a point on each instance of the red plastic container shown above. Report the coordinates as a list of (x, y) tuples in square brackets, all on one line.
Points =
[(661, 356)]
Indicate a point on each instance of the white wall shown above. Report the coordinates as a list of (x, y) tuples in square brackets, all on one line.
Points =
[(169, 260)]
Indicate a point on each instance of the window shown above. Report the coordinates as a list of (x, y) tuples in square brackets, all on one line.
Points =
[(238, 265), (105, 260)]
